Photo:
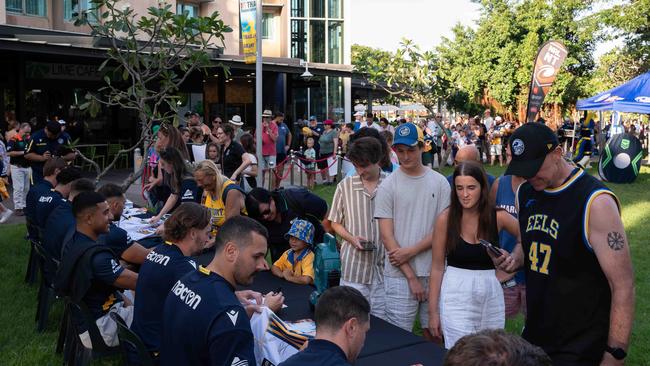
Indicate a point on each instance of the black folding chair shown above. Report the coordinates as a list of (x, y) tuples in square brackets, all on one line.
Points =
[(33, 236), (46, 293), (131, 345), (75, 353)]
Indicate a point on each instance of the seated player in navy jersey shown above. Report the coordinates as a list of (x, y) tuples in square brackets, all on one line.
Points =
[(50, 170), (342, 321), (186, 234), (61, 223), (48, 201), (90, 273), (117, 238), (204, 323)]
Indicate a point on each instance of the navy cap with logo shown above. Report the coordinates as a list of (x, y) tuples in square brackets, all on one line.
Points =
[(407, 134), (529, 145)]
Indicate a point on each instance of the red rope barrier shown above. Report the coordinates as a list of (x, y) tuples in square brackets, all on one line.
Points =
[(316, 171)]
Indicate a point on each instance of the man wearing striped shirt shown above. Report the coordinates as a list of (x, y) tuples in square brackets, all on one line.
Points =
[(352, 217)]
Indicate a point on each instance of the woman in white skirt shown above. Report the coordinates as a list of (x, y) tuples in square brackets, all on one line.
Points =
[(465, 295)]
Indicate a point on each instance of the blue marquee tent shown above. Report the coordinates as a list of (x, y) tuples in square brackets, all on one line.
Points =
[(631, 97)]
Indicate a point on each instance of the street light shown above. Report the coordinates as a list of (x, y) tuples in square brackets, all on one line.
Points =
[(306, 76)]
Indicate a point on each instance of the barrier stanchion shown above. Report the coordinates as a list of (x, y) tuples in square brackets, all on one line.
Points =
[(339, 167), (291, 165), (299, 164)]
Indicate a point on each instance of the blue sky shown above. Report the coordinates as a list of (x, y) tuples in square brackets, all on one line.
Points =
[(383, 23)]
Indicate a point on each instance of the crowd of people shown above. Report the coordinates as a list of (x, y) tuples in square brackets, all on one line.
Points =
[(460, 253)]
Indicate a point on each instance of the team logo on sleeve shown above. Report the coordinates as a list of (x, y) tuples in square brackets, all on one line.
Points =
[(233, 314), (115, 266), (238, 362)]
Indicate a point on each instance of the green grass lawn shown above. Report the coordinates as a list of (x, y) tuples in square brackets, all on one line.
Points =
[(20, 344)]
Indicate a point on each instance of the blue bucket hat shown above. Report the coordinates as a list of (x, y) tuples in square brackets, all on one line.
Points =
[(303, 230)]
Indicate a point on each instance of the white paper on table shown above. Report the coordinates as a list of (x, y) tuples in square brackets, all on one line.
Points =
[(198, 151), (333, 164), (137, 228)]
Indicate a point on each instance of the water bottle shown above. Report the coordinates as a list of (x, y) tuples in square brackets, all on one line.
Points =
[(137, 160)]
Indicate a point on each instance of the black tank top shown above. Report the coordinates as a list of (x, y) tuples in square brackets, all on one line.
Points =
[(469, 256), (473, 256), (567, 294)]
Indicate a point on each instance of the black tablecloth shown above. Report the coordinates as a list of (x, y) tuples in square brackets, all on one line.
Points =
[(385, 344), (424, 353)]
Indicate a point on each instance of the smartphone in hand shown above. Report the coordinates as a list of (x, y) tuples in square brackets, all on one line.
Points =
[(491, 247), (367, 245)]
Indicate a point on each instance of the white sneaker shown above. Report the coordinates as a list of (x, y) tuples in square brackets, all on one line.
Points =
[(5, 215)]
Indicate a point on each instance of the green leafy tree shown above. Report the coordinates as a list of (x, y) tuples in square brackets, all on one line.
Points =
[(494, 62), (151, 55), (407, 74)]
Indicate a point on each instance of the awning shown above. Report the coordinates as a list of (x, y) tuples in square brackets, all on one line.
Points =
[(21, 39)]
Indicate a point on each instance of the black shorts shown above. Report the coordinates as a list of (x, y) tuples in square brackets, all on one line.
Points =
[(323, 164)]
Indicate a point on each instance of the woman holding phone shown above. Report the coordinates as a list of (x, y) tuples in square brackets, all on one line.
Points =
[(465, 296)]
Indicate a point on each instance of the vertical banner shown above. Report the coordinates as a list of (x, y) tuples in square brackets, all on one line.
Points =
[(247, 21), (549, 59)]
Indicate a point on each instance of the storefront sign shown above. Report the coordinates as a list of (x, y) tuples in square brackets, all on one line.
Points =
[(247, 20), (43, 70)]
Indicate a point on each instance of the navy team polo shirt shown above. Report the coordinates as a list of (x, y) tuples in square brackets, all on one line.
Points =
[(204, 323), (164, 265), (45, 204), (117, 239), (319, 352)]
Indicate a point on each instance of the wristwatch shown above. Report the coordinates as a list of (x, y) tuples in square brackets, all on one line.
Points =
[(616, 352)]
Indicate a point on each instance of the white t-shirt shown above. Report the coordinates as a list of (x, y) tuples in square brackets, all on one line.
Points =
[(253, 160), (414, 204)]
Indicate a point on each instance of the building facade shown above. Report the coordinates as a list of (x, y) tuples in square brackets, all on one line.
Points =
[(47, 64)]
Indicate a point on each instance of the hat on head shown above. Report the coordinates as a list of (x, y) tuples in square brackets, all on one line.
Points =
[(267, 113), (498, 118), (236, 120), (303, 230), (408, 134), (306, 131), (529, 145), (53, 126), (328, 122), (358, 114), (313, 118), (62, 122)]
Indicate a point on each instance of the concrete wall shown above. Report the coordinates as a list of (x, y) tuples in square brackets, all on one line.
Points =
[(3, 12), (228, 11)]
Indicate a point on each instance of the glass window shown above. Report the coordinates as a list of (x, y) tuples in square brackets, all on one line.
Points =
[(317, 41), (299, 39), (298, 8), (191, 10), (335, 110), (334, 8), (35, 7), (268, 26), (73, 7), (335, 55), (15, 6), (29, 7), (317, 8), (318, 103)]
